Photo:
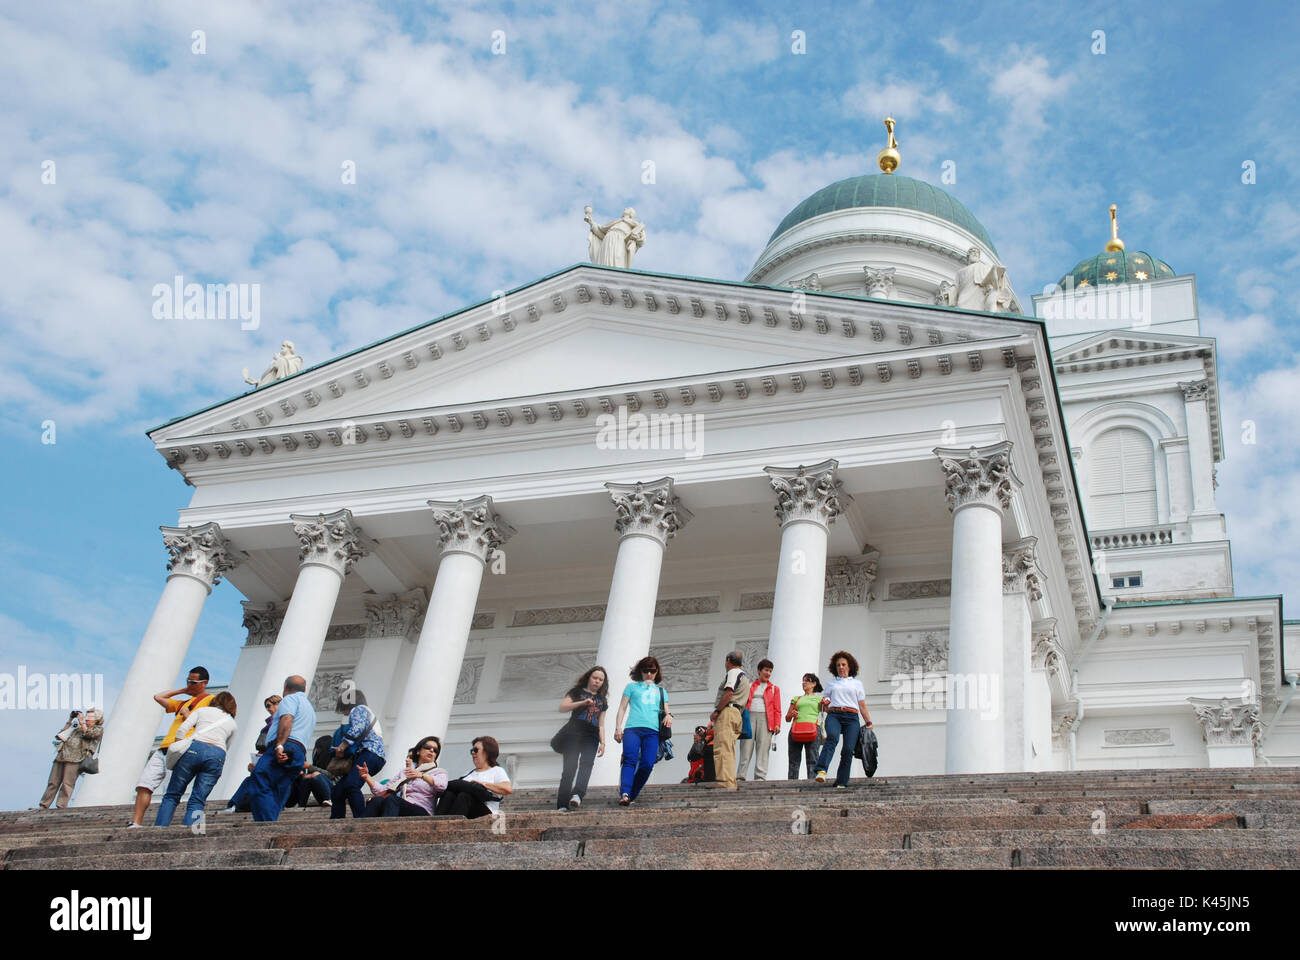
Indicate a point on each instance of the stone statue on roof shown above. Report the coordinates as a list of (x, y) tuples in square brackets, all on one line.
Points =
[(978, 283), (283, 364), (613, 244)]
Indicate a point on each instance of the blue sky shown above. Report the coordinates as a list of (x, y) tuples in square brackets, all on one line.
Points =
[(472, 171)]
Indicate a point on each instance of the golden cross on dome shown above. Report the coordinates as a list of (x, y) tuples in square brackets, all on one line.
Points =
[(1115, 242), (889, 158)]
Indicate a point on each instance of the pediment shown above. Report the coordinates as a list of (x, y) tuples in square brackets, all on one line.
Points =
[(1113, 344), (591, 327)]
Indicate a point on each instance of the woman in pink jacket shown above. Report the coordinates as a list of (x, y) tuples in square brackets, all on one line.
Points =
[(764, 719)]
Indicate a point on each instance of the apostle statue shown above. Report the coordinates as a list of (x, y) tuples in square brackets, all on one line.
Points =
[(978, 283), (614, 243), (283, 364)]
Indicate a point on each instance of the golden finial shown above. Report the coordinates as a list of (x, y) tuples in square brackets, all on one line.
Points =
[(889, 158), (1115, 242)]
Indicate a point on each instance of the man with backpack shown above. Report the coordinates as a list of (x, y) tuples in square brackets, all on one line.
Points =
[(733, 694)]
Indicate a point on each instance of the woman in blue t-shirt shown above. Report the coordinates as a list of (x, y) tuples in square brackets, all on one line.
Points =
[(584, 735), (640, 707)]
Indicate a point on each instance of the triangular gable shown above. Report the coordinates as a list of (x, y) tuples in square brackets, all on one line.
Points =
[(587, 327)]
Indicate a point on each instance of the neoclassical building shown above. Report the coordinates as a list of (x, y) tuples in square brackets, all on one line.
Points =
[(1009, 520)]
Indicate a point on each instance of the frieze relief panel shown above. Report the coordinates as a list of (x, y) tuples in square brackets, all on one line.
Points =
[(325, 686), (1139, 737), (757, 601), (919, 589), (595, 612), (471, 671), (542, 676), (924, 649), (685, 665)]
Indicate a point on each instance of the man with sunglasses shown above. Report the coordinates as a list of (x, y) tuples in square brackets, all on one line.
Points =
[(155, 771)]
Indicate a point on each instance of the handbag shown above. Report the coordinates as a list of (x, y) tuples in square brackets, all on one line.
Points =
[(174, 751), (805, 732), (746, 729), (340, 767), (89, 764), (665, 733)]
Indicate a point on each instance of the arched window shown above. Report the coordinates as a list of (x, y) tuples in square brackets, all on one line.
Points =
[(1122, 480)]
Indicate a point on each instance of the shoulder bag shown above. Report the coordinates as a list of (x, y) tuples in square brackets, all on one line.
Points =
[(340, 767)]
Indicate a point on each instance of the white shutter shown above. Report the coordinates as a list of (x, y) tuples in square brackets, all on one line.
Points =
[(1121, 480)]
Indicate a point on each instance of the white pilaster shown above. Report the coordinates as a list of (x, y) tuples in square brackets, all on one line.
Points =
[(1206, 522), (328, 546), (394, 624), (1020, 589), (200, 556), (648, 516), (1231, 729), (979, 488), (469, 532), (808, 499), (1047, 660)]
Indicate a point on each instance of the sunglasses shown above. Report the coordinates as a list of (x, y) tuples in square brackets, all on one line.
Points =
[(431, 746), (473, 749)]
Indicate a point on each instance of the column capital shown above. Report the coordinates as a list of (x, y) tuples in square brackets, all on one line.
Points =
[(200, 552), (470, 526), (648, 509), (262, 621), (978, 476), (328, 540), (1228, 721), (1195, 389), (808, 492), (1047, 653), (1020, 573)]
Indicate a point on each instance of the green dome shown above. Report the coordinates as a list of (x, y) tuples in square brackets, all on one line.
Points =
[(1117, 266), (885, 190)]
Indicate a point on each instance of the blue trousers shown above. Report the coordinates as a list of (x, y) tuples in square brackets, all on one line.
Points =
[(847, 724), (272, 781), (640, 750), (349, 788), (202, 763)]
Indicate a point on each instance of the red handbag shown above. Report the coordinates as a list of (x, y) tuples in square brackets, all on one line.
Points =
[(804, 732)]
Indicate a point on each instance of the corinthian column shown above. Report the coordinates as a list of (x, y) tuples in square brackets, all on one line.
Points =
[(979, 489), (808, 499), (648, 516), (328, 546), (469, 532), (199, 557)]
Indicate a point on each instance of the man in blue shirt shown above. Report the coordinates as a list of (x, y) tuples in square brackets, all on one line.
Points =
[(286, 751)]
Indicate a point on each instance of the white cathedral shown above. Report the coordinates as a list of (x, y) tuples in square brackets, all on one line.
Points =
[(866, 445)]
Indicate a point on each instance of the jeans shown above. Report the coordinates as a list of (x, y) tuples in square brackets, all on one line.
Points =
[(847, 724), (809, 752), (579, 755), (202, 763), (349, 788), (272, 781), (239, 799), (304, 787), (463, 798), (391, 805), (640, 750)]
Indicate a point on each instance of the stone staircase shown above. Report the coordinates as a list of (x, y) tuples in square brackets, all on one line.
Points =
[(1164, 819)]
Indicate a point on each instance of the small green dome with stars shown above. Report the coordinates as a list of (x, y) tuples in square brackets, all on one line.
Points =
[(1116, 266)]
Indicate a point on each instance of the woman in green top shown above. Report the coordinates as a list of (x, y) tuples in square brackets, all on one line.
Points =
[(805, 709)]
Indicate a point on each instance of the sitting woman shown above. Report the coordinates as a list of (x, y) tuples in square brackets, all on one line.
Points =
[(214, 728), (414, 791), (479, 792)]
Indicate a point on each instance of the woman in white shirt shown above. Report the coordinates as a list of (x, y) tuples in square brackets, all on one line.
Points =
[(479, 792), (213, 730), (844, 699)]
